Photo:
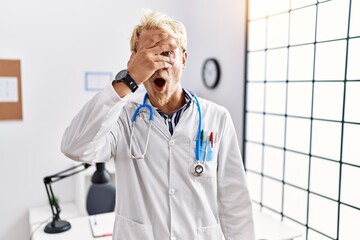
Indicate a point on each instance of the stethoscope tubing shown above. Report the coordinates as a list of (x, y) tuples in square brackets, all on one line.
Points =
[(151, 118), (198, 141)]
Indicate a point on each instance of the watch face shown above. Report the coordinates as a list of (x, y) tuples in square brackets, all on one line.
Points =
[(211, 73), (121, 75)]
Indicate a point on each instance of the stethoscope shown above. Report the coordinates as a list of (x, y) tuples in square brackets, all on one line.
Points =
[(199, 167)]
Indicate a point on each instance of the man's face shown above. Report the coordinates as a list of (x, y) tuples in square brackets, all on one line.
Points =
[(164, 83)]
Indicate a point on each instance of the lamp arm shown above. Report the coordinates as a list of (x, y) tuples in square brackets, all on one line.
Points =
[(61, 175), (55, 208)]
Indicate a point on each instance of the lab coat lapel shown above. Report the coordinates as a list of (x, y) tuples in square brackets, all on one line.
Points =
[(188, 122), (160, 125)]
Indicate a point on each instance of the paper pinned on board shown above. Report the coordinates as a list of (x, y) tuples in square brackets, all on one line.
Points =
[(9, 89)]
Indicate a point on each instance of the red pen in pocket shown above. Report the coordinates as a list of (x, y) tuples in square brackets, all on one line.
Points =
[(211, 139)]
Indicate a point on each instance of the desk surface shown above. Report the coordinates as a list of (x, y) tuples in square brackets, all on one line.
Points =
[(266, 227), (80, 229)]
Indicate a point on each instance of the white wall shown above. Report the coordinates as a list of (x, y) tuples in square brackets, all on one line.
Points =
[(217, 29), (57, 42)]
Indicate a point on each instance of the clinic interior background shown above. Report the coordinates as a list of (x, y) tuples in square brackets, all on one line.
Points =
[(57, 43), (301, 116)]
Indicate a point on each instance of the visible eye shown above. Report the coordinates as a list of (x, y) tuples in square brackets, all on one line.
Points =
[(166, 54)]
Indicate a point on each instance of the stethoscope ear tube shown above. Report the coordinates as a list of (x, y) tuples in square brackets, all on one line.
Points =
[(198, 141), (151, 115), (151, 118)]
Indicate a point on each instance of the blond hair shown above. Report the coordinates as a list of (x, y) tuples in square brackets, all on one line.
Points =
[(157, 20)]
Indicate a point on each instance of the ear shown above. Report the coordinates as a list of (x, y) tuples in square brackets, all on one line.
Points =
[(184, 58)]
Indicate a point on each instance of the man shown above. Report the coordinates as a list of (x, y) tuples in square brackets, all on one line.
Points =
[(180, 175)]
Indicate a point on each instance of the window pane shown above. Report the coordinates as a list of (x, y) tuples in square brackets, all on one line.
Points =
[(326, 139), (302, 25), (274, 130), (253, 156), (255, 97), (316, 236), (258, 8), (299, 99), (256, 66), (257, 35), (353, 68), (324, 178), (254, 129), (254, 182), (328, 100), (278, 6), (272, 194), (352, 110), (298, 134), (275, 97), (262, 8), (278, 30), (301, 3), (349, 222), (276, 67), (351, 149), (297, 169), (273, 162), (301, 62), (330, 25), (330, 61), (318, 209), (295, 203), (350, 191), (355, 19)]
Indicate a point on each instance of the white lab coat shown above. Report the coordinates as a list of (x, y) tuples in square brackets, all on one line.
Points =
[(157, 197)]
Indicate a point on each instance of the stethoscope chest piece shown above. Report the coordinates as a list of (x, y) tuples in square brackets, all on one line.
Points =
[(198, 169)]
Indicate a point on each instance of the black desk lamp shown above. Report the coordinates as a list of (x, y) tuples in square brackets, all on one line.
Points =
[(57, 225), (101, 175)]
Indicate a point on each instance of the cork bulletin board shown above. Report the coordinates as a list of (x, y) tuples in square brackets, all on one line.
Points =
[(10, 90)]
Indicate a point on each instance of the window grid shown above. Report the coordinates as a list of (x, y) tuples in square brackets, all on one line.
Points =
[(311, 154)]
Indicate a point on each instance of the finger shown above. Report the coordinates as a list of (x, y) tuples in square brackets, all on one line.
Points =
[(162, 65), (161, 58), (152, 40), (164, 48)]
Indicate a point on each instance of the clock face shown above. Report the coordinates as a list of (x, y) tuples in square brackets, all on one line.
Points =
[(211, 73)]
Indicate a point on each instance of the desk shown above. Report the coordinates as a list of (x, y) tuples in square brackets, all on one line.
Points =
[(80, 230), (266, 227)]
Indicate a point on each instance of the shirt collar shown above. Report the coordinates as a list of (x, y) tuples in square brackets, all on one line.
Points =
[(188, 99)]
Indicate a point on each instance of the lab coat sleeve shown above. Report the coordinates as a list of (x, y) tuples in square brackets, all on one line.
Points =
[(88, 137), (235, 208)]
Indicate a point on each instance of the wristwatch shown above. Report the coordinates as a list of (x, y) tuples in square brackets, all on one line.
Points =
[(123, 76)]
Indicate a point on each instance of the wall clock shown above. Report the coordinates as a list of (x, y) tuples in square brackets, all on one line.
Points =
[(211, 73)]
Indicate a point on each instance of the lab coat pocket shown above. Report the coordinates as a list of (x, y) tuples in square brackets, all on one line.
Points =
[(126, 229), (210, 162), (209, 233)]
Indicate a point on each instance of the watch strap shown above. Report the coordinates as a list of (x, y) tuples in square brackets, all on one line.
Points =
[(129, 81)]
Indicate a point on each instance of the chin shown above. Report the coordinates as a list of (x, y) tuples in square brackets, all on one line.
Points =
[(161, 98)]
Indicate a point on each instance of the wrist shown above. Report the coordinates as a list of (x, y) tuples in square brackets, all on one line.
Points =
[(124, 77)]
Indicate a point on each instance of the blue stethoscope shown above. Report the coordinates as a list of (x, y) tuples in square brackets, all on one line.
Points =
[(199, 166)]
